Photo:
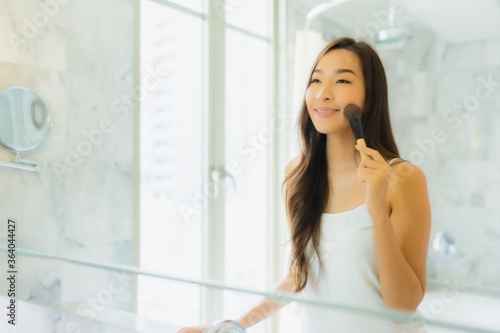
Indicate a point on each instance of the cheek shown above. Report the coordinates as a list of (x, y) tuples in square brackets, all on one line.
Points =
[(361, 96), (309, 98)]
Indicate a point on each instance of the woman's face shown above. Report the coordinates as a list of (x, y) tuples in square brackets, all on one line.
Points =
[(337, 81)]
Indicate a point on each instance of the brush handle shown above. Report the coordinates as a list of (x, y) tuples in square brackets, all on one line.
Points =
[(361, 142)]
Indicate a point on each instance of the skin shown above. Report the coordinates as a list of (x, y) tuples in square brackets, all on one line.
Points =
[(396, 197)]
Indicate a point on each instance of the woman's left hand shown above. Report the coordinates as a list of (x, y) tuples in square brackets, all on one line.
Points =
[(375, 173)]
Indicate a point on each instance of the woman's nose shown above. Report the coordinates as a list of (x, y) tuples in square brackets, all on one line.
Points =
[(324, 94)]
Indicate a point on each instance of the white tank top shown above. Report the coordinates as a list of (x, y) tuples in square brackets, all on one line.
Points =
[(349, 276)]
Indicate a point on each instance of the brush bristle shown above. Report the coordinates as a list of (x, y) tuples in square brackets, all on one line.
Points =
[(352, 111)]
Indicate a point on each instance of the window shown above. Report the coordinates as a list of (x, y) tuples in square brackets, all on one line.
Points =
[(171, 160), (247, 144), (176, 127)]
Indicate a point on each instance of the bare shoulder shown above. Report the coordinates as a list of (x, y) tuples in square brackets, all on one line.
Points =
[(406, 176), (291, 164), (408, 189)]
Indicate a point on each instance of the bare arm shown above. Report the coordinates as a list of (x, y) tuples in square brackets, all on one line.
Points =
[(402, 232), (261, 311), (402, 239), (266, 308)]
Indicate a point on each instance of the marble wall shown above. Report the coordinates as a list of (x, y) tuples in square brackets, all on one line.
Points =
[(78, 55), (445, 103)]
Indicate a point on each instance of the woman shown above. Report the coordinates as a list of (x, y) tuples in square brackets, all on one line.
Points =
[(359, 228)]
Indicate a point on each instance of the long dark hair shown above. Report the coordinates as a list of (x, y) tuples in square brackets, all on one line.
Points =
[(307, 190)]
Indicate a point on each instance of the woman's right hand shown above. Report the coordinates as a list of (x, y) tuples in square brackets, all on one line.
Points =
[(198, 329)]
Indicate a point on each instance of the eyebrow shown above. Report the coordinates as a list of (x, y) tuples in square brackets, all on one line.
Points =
[(338, 71)]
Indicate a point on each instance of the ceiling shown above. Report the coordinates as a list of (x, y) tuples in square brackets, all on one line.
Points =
[(455, 21)]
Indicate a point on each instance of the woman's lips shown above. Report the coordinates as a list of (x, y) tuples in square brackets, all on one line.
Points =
[(325, 112)]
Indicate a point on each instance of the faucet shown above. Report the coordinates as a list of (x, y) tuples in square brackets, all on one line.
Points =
[(226, 326), (444, 247)]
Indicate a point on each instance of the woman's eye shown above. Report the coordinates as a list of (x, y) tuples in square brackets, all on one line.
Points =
[(314, 81), (343, 81)]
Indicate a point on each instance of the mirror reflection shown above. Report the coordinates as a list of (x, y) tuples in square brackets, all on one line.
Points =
[(175, 123)]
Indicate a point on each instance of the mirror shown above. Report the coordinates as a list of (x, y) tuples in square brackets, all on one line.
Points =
[(24, 121)]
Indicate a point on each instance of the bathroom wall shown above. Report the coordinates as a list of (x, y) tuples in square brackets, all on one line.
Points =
[(78, 56), (445, 103)]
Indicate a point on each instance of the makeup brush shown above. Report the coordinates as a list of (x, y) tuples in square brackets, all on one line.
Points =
[(352, 113)]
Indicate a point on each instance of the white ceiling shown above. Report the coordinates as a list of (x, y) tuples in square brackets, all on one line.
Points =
[(456, 21)]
